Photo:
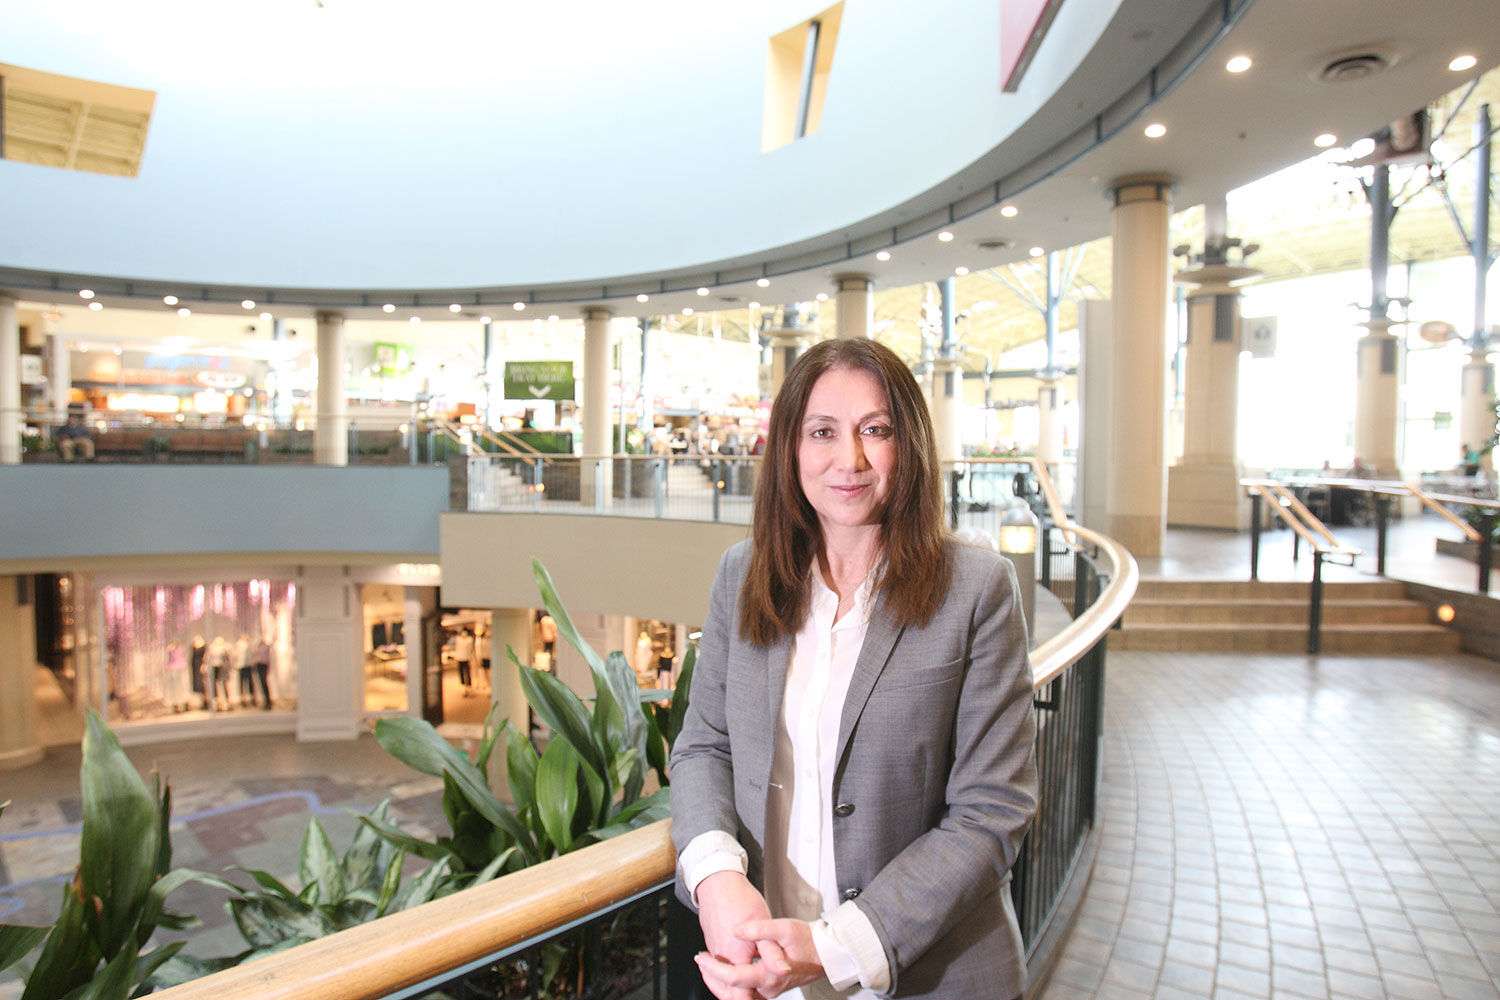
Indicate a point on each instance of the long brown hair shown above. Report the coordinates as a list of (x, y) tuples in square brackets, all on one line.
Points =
[(785, 530)]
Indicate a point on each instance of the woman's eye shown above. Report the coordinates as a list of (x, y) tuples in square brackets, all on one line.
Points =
[(878, 430), (821, 432)]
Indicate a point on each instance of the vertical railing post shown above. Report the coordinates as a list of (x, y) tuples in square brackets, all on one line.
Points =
[(537, 485), (1315, 607), (411, 444), (953, 498), (1486, 549), (599, 485), (658, 485), (1255, 534), (1382, 511), (716, 471), (628, 463), (353, 443), (1047, 554)]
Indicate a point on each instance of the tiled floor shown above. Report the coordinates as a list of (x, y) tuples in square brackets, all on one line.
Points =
[(1294, 826)]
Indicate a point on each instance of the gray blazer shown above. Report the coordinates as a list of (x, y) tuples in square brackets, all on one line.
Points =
[(936, 774)]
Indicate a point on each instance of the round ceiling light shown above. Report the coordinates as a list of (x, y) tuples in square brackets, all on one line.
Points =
[(1325, 140), (763, 282), (1036, 251), (389, 307), (1155, 130), (643, 297), (518, 306), (945, 236), (1009, 211), (85, 293), (1463, 63), (702, 291), (1238, 64), (247, 304), (883, 255), (169, 300), (96, 306), (455, 308), (960, 270)]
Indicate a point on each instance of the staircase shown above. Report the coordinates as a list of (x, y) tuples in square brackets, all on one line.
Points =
[(1264, 616)]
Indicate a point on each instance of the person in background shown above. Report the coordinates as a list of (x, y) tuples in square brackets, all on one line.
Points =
[(482, 651), (245, 668), (463, 653), (261, 659), (178, 686), (201, 679), (74, 438)]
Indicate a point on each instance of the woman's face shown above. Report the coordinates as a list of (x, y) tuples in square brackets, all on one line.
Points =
[(846, 449)]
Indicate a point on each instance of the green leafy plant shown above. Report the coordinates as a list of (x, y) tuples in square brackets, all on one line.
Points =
[(117, 897)]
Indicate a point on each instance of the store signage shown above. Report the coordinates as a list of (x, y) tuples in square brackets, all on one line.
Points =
[(539, 380), (220, 380), (392, 359)]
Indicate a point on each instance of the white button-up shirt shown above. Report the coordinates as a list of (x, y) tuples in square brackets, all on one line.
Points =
[(801, 878)]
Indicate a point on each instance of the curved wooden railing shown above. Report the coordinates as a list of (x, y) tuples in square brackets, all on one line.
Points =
[(439, 938)]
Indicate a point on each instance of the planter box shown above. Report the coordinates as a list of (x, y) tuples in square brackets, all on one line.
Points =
[(1467, 550)]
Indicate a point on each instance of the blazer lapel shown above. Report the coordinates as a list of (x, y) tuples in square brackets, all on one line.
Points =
[(880, 639), (778, 658)]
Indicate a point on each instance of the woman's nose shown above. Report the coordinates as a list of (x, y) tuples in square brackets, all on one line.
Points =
[(852, 452)]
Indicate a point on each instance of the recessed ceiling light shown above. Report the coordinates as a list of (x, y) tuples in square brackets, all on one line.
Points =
[(455, 308), (518, 306), (703, 291), (415, 320), (945, 236), (85, 293), (184, 312), (1325, 140), (96, 306), (266, 317), (1155, 130), (1036, 251), (1462, 63), (247, 304), (883, 255), (822, 296), (763, 282), (169, 300), (485, 319), (389, 307), (1009, 211), (553, 318), (755, 305), (643, 297), (960, 270), (1362, 148), (687, 310), (1238, 64)]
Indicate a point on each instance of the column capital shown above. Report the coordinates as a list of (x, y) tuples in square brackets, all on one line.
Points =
[(1216, 279), (329, 316), (1380, 326), (1141, 187), (9, 298), (596, 313), (853, 282)]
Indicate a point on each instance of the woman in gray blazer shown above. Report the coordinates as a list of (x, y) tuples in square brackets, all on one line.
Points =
[(856, 769)]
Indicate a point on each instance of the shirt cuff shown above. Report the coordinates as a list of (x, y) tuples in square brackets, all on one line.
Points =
[(850, 950), (708, 853)]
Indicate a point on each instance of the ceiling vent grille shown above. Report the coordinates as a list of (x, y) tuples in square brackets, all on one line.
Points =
[(64, 121), (1354, 67)]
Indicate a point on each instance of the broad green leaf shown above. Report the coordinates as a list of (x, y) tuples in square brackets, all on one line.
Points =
[(118, 850), (365, 860), (625, 764), (653, 807), (182, 968), (265, 920), (561, 710), (404, 841), (155, 909), (163, 798), (520, 766), (16, 942), (391, 884), (319, 864), (557, 792), (559, 614), (427, 886), (271, 884), (114, 981), (595, 801), (487, 746), (656, 745), (415, 743), (69, 955), (492, 869), (147, 964), (681, 695)]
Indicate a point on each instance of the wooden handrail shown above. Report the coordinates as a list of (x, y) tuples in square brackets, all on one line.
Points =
[(1434, 502), (1274, 491), (424, 943)]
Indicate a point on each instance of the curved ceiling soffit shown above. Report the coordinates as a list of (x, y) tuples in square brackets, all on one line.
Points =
[(978, 188)]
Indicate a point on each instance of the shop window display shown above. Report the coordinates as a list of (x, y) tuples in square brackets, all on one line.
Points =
[(179, 651)]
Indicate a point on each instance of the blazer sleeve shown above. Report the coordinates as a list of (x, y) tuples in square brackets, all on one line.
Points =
[(702, 773), (923, 892)]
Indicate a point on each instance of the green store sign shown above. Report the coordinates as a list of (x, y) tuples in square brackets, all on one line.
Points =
[(536, 380)]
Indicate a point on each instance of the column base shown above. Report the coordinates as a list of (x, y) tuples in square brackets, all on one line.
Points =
[(1141, 534), (11, 760), (1207, 495)]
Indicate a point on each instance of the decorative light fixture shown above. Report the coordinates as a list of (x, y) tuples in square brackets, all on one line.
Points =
[(85, 293), (1238, 64), (643, 297), (1155, 130), (883, 255), (763, 282), (247, 304), (169, 300), (945, 237), (389, 307), (455, 308), (1009, 211), (1462, 63), (1325, 140)]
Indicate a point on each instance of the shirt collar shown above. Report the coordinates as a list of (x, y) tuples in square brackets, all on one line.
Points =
[(825, 601)]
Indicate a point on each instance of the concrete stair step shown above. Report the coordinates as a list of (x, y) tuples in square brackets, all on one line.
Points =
[(1291, 611), (1286, 638), (1268, 589)]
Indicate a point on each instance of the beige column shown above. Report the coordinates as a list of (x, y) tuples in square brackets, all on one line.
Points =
[(1476, 413), (331, 437), (19, 745), (59, 376), (947, 407), (1375, 402), (10, 382), (509, 627), (330, 663), (1203, 488), (1049, 400), (1137, 472), (854, 303), (596, 478)]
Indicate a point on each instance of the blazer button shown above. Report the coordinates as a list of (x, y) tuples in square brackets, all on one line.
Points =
[(851, 893), (844, 809)]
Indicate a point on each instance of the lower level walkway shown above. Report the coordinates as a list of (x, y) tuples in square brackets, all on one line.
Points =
[(1294, 826)]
